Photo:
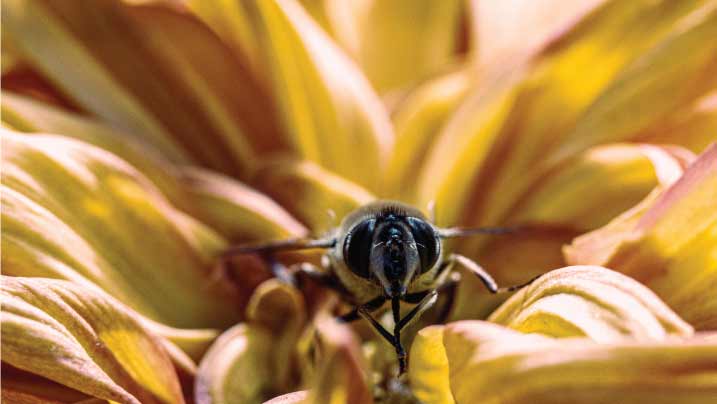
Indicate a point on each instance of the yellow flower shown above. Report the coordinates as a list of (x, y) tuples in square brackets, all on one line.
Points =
[(140, 139)]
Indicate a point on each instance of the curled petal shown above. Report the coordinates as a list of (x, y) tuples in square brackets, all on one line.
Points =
[(492, 364), (667, 242), (237, 368), (595, 302), (86, 340), (74, 211)]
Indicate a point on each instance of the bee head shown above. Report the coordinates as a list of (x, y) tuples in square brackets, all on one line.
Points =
[(391, 249)]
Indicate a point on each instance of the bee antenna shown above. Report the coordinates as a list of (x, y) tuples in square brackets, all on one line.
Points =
[(455, 232)]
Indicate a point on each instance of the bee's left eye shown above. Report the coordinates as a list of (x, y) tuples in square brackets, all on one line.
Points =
[(426, 241), (357, 247)]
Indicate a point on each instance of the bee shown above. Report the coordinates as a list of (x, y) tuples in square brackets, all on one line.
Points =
[(384, 251)]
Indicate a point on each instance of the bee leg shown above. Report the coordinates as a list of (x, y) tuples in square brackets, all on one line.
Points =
[(376, 325), (353, 315), (400, 351), (487, 280), (428, 300), (449, 289)]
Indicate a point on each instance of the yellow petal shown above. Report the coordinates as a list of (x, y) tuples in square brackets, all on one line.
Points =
[(280, 309), (667, 242), (327, 105), (590, 301), (417, 119), (317, 197), (491, 364), (398, 42), (341, 377), (153, 71), (693, 127), (237, 368), (626, 173), (77, 212), (229, 207), (557, 210), (235, 210), (231, 21), (84, 339), (428, 369), (515, 128)]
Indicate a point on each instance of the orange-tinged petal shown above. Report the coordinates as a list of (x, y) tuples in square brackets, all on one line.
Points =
[(153, 71), (488, 363), (316, 196), (590, 301), (26, 388), (84, 339), (667, 242), (506, 32), (74, 211), (291, 398), (328, 106), (397, 42)]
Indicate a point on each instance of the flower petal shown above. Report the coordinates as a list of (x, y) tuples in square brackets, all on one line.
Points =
[(556, 210), (340, 377), (229, 207), (237, 368), (499, 365), (667, 242), (84, 339), (417, 119), (514, 129), (504, 32), (309, 192), (327, 105), (590, 301), (153, 71), (77, 212), (383, 36), (235, 210)]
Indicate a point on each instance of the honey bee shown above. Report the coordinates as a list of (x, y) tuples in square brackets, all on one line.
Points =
[(385, 251)]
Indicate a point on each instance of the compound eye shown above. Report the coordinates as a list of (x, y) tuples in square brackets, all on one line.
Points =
[(426, 242), (357, 247)]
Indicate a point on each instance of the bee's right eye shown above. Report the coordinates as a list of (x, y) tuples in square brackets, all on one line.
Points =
[(357, 247)]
